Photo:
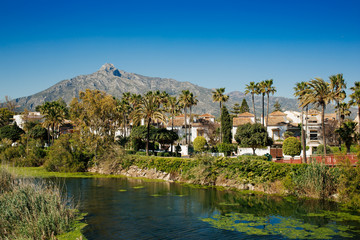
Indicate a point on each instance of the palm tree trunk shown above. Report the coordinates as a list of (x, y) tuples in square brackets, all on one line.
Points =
[(359, 118), (267, 114), (172, 129), (303, 139), (253, 102), (190, 126), (220, 124), (186, 140), (323, 128), (148, 137), (124, 133), (263, 112)]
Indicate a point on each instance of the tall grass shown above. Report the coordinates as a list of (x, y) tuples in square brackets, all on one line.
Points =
[(31, 209)]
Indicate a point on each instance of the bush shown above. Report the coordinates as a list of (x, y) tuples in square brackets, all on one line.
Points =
[(130, 151), (12, 132), (141, 153), (226, 148), (292, 146), (67, 154), (200, 144), (320, 149)]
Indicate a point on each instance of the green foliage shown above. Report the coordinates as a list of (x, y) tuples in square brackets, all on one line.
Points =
[(347, 133), (12, 132), (320, 149), (226, 148), (315, 180), (67, 154), (252, 135), (288, 134), (244, 106), (5, 116), (199, 144), (31, 209), (226, 125), (350, 185), (164, 136), (236, 109), (292, 146), (38, 132), (277, 106)]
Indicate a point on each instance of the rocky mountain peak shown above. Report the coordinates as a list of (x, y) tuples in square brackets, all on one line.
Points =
[(108, 67)]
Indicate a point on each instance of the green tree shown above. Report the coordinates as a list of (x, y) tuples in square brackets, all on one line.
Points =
[(269, 89), (277, 107), (218, 96), (300, 90), (185, 101), (149, 109), (95, 116), (226, 125), (262, 92), (193, 102), (253, 136), (347, 134), (244, 106), (5, 116), (355, 99), (172, 107), (12, 132), (292, 146), (200, 144), (252, 88), (320, 94), (236, 109), (164, 136)]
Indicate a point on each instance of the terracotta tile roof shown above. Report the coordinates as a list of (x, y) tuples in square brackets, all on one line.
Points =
[(313, 112), (241, 121), (177, 123), (277, 113), (276, 120), (246, 114), (207, 115)]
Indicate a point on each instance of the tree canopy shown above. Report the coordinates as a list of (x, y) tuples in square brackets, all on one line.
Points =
[(292, 146), (253, 136)]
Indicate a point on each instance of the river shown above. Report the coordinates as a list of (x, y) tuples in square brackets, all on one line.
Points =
[(126, 208)]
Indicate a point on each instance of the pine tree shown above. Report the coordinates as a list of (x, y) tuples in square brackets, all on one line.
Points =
[(244, 106), (236, 109), (226, 125), (277, 107)]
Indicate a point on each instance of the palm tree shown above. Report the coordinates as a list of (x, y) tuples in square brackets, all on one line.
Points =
[(347, 133), (269, 88), (262, 91), (355, 99), (252, 88), (218, 96), (124, 108), (299, 92), (320, 94), (343, 109), (193, 102), (185, 100), (172, 107), (54, 114), (149, 110)]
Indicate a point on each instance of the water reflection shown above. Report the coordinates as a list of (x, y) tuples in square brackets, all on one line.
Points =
[(135, 209)]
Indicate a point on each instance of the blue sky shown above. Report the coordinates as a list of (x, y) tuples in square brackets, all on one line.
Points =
[(209, 43)]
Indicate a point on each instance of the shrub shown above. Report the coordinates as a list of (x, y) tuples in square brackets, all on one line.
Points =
[(292, 146), (67, 154), (226, 148), (200, 144), (141, 153), (320, 149), (130, 151), (12, 132)]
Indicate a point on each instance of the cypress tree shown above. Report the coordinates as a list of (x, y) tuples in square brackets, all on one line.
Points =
[(226, 125), (244, 106), (236, 109)]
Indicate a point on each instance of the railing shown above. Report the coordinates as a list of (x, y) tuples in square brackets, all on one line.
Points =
[(331, 160)]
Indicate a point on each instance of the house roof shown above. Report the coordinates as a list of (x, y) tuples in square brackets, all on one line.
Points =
[(180, 116), (277, 113), (313, 112), (276, 120), (246, 114), (241, 121)]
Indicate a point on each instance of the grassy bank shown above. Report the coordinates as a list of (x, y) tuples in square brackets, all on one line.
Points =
[(32, 209)]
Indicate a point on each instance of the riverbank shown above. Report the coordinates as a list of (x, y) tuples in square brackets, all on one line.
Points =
[(33, 209)]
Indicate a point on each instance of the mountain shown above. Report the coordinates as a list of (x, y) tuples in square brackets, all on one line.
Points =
[(115, 82)]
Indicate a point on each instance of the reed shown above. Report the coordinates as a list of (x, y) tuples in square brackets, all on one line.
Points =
[(33, 209)]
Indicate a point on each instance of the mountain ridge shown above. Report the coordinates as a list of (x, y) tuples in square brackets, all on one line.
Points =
[(115, 82)]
